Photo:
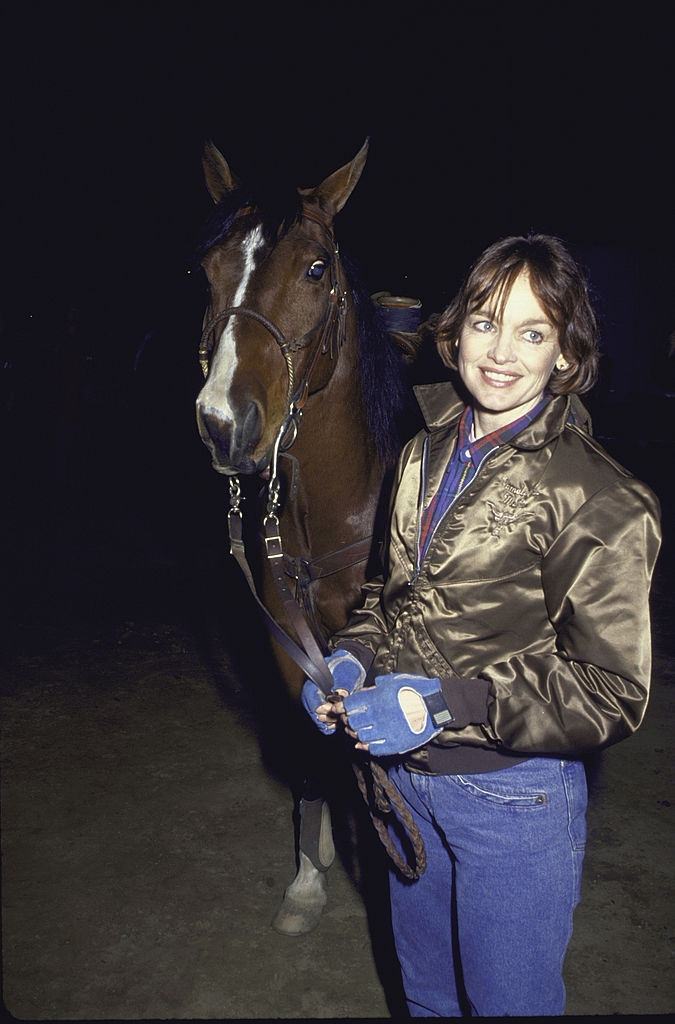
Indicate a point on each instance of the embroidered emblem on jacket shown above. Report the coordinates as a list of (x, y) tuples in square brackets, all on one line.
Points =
[(510, 511)]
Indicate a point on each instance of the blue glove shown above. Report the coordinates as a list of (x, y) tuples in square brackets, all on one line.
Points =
[(376, 715), (347, 672)]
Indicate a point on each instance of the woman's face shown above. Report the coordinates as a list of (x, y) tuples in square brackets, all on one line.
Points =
[(506, 363)]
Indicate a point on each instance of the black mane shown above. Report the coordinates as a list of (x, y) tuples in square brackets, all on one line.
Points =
[(385, 390), (383, 377)]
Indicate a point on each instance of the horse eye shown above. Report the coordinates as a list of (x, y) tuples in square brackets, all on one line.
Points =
[(316, 270)]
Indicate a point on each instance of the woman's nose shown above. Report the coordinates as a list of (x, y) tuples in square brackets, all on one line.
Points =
[(502, 349)]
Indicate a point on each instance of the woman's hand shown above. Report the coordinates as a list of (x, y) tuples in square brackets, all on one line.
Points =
[(333, 711), (348, 673), (398, 714)]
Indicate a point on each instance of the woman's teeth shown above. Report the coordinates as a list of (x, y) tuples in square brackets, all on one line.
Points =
[(500, 378)]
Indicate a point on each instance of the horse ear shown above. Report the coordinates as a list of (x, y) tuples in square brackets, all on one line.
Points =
[(219, 177), (335, 190)]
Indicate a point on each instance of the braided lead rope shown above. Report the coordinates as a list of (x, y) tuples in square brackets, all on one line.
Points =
[(388, 799)]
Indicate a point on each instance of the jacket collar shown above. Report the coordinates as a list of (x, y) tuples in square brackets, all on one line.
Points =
[(441, 407)]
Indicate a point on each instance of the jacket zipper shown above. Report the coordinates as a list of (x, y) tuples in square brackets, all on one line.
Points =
[(418, 566), (420, 509)]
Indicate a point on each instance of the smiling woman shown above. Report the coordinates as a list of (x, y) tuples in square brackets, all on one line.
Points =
[(507, 639), (551, 293)]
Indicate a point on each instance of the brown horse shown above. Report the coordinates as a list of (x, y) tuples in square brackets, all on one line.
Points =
[(301, 337)]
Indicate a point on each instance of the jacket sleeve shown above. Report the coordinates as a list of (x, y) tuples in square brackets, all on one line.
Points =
[(593, 689), (367, 626)]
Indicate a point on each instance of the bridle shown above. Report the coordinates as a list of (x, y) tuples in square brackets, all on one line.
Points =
[(332, 326)]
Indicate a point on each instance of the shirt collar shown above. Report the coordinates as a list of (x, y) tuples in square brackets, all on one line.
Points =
[(475, 451)]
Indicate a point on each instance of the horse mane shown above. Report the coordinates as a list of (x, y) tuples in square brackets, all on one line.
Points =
[(383, 373), (384, 386)]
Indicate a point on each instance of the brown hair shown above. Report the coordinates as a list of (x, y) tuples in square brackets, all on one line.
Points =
[(560, 287)]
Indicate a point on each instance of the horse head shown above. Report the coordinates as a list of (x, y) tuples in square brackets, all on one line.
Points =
[(277, 312)]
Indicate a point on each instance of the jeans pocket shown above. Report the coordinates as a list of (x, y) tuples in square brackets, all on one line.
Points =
[(487, 788), (574, 781)]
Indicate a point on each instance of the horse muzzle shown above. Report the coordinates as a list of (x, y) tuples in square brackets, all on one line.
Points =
[(231, 444)]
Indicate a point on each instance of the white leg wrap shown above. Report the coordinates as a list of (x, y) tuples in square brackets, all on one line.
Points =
[(316, 834)]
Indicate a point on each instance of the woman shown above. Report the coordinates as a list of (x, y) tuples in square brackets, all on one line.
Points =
[(509, 637)]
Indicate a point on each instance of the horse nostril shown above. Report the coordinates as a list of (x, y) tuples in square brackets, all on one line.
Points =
[(213, 421), (247, 433), (251, 426)]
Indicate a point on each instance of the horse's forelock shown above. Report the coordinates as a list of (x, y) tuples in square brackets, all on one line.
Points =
[(276, 212)]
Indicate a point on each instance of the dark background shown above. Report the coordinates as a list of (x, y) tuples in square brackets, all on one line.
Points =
[(485, 119)]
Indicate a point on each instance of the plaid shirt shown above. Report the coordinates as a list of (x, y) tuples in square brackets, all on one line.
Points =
[(465, 462)]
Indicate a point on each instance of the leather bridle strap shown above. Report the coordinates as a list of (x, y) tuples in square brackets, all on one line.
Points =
[(332, 562), (308, 657), (320, 673)]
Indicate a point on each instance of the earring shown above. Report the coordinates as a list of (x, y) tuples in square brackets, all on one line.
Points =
[(561, 363)]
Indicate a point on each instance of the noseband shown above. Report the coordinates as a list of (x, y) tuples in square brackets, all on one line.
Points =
[(286, 346)]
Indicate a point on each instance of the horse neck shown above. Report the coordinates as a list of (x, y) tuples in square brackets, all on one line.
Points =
[(340, 473)]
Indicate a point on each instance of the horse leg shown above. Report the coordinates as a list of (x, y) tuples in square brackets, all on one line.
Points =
[(306, 896)]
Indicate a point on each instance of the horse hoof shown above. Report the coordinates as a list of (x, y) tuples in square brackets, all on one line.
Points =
[(297, 917)]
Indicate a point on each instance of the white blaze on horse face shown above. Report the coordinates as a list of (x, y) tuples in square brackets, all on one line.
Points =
[(225, 359)]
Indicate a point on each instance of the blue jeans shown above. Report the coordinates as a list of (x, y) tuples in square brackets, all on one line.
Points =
[(485, 928)]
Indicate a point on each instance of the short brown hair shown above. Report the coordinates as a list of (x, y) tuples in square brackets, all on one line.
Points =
[(560, 287)]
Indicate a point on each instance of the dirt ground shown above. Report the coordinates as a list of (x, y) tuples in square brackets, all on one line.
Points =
[(147, 825)]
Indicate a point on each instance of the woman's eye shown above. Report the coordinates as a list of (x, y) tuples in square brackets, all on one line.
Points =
[(534, 336), (484, 326), (316, 270)]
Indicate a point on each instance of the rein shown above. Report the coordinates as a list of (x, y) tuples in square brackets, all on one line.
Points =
[(382, 796)]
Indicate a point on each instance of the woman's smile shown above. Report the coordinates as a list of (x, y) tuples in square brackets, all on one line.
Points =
[(497, 378)]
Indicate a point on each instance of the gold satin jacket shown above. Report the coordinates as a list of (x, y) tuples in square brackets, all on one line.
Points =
[(536, 579)]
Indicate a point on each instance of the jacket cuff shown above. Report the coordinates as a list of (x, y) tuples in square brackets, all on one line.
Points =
[(468, 701), (361, 653)]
